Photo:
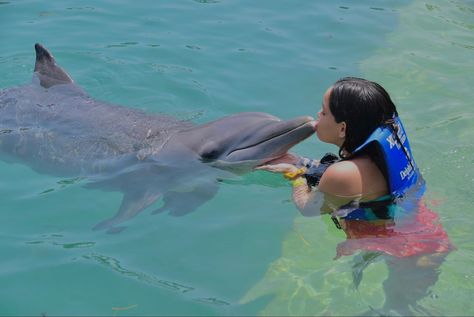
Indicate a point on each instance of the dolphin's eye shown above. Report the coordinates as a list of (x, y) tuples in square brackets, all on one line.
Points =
[(210, 156), (209, 152)]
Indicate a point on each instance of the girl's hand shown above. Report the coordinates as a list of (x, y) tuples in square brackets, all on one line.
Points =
[(279, 168), (289, 171)]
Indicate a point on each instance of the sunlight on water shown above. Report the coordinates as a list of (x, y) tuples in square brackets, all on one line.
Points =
[(428, 76)]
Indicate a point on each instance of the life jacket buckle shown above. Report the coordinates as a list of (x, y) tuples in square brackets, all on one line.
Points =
[(336, 222)]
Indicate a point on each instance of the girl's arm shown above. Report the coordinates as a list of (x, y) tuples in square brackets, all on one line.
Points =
[(307, 200)]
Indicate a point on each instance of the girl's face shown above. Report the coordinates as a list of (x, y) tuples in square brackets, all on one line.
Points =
[(327, 129)]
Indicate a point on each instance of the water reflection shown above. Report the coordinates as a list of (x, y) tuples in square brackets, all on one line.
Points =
[(151, 279), (147, 278)]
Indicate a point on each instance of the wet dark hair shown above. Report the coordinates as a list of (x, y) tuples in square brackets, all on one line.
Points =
[(363, 105)]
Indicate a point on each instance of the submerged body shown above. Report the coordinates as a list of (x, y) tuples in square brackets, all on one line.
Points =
[(63, 131), (53, 126)]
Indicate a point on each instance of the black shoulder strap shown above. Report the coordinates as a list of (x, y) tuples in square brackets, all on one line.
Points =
[(314, 173)]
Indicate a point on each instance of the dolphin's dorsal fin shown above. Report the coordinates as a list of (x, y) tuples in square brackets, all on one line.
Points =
[(49, 73)]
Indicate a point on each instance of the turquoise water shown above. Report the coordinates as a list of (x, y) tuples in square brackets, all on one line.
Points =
[(247, 251)]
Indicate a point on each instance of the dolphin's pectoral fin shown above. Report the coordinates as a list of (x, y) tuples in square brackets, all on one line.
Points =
[(48, 71), (132, 204), (182, 203)]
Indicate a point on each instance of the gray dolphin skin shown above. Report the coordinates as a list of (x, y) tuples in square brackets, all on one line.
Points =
[(56, 128)]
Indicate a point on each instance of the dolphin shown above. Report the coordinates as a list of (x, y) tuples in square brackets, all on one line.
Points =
[(56, 128)]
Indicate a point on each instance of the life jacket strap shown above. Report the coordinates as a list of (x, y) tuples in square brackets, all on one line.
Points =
[(314, 173)]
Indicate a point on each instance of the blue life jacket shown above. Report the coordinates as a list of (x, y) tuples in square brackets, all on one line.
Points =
[(401, 167), (402, 174)]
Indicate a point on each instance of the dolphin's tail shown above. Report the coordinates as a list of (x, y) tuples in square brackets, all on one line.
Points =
[(47, 70)]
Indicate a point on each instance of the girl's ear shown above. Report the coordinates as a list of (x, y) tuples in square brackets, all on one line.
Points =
[(342, 130)]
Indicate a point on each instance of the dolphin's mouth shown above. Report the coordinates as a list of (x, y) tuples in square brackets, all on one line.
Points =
[(294, 134)]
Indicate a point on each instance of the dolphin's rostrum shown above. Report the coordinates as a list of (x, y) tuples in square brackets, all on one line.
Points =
[(55, 127)]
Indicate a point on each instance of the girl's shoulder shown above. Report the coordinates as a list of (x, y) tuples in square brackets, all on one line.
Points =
[(358, 177), (342, 179)]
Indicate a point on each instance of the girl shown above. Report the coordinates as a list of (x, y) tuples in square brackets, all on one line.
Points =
[(359, 117), (372, 190)]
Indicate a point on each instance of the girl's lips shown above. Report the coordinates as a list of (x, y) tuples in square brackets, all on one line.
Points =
[(315, 126)]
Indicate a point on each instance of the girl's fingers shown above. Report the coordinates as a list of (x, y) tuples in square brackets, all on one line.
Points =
[(278, 168)]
